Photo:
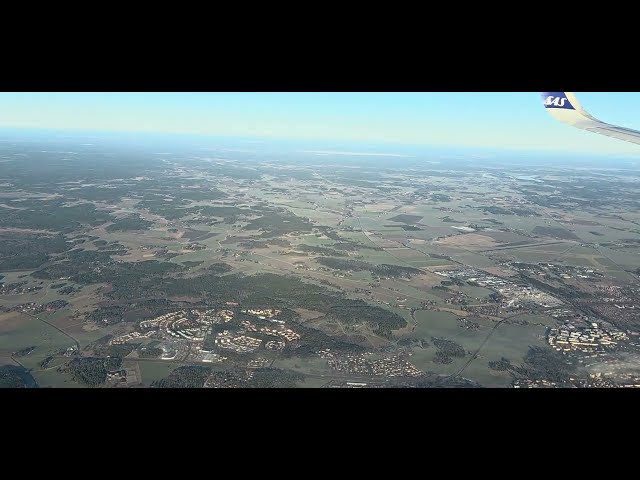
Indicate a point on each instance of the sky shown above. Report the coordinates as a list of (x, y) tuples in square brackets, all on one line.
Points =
[(510, 120)]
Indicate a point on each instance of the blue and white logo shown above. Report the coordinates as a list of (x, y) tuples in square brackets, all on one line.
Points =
[(556, 100)]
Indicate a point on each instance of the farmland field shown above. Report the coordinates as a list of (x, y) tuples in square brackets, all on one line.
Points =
[(233, 264)]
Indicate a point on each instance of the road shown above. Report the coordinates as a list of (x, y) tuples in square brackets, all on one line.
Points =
[(53, 326), (475, 354)]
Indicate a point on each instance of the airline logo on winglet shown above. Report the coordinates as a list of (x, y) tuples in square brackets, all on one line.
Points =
[(556, 100)]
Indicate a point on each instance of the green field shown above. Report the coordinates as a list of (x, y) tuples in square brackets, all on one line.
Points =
[(543, 320), (154, 371), (431, 323), (309, 365), (445, 325), (532, 256), (475, 292), (513, 341), (53, 378), (85, 337), (197, 256), (312, 382), (379, 211), (31, 332)]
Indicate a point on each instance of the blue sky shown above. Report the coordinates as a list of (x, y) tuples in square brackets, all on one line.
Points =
[(514, 120)]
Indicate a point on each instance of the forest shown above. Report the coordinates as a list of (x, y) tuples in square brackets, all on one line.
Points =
[(53, 216), (382, 270), (132, 222), (22, 251), (92, 371), (13, 376)]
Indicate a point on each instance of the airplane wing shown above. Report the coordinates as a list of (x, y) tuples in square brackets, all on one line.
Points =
[(564, 106)]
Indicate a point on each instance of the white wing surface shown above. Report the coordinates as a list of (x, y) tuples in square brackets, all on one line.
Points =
[(564, 106)]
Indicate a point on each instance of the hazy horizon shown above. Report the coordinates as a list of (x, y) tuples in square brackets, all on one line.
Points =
[(297, 149), (487, 120)]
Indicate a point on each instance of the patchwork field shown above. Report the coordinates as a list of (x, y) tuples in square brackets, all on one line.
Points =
[(400, 271)]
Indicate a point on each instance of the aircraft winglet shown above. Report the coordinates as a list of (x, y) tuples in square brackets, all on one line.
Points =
[(565, 107)]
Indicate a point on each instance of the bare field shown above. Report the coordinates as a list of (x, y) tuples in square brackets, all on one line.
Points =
[(468, 240), (308, 314)]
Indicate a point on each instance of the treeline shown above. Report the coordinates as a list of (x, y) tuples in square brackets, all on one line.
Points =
[(112, 314), (540, 363), (24, 352), (80, 265), (108, 315), (253, 244), (12, 376), (92, 371), (406, 218), (54, 216), (285, 292), (190, 263), (219, 267), (275, 224), (447, 349), (132, 222), (319, 250), (119, 350), (89, 267), (494, 210), (274, 378), (501, 365), (545, 364), (333, 235), (556, 232), (151, 279), (343, 243), (24, 251), (563, 291), (357, 311), (184, 377), (55, 304), (382, 270), (67, 290), (149, 352), (196, 376), (180, 208), (312, 340)]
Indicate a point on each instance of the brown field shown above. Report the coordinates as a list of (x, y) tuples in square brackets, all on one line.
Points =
[(499, 271), (578, 221), (468, 240), (62, 319), (506, 237), (23, 230), (135, 255), (308, 314), (10, 321)]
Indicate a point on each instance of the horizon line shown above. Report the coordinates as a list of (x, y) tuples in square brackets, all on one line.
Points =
[(266, 139)]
